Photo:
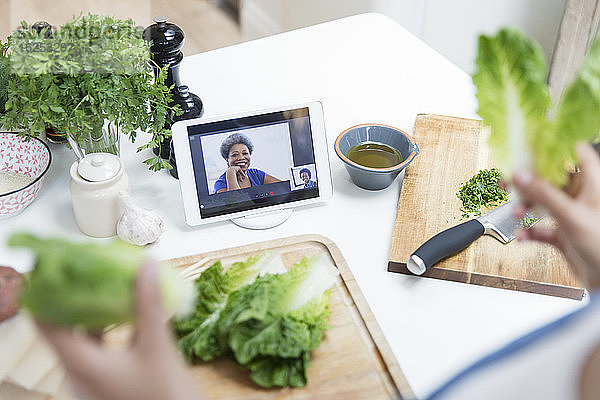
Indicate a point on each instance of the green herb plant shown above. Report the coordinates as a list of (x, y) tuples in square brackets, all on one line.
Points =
[(527, 130), (481, 191), (4, 75), (93, 68)]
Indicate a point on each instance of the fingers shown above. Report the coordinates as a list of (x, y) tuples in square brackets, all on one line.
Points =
[(588, 158), (150, 311), (539, 234), (587, 184), (537, 191), (520, 211), (75, 349)]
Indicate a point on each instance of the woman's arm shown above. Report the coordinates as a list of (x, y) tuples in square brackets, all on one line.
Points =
[(231, 179), (270, 179)]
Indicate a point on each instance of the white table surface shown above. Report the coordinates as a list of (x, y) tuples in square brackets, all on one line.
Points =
[(364, 68)]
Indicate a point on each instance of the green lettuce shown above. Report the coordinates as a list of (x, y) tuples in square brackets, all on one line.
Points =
[(197, 334), (514, 101), (578, 114), (92, 285), (270, 326)]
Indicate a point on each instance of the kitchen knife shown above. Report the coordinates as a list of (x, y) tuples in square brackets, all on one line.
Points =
[(498, 223)]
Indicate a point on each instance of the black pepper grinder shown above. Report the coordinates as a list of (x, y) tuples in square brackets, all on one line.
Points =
[(41, 25), (166, 43), (192, 107)]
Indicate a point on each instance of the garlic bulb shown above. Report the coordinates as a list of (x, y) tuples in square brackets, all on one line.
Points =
[(137, 225)]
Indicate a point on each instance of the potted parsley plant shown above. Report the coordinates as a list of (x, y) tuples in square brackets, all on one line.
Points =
[(4, 77), (93, 71)]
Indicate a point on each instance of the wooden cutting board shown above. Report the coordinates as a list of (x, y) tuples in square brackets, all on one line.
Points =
[(452, 151), (354, 361)]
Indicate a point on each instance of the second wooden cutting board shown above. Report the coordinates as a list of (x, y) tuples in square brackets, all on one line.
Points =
[(452, 151)]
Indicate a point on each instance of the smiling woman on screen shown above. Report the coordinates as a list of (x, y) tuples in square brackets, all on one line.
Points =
[(236, 149)]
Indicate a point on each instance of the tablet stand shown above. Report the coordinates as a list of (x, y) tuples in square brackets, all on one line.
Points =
[(263, 221)]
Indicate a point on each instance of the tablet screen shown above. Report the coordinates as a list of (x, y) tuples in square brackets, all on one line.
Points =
[(252, 162)]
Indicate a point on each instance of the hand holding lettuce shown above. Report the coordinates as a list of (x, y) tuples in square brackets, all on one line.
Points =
[(514, 101), (92, 285), (266, 318)]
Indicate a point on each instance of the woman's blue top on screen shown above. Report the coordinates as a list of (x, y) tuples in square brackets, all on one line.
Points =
[(256, 176)]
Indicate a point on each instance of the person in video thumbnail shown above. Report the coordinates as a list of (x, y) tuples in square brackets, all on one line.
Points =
[(305, 176), (236, 149)]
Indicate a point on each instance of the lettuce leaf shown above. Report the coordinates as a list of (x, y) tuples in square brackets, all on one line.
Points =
[(280, 318), (577, 118), (268, 326), (92, 285), (513, 97), (514, 101), (197, 334), (277, 371)]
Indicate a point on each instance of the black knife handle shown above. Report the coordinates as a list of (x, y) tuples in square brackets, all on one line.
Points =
[(445, 244)]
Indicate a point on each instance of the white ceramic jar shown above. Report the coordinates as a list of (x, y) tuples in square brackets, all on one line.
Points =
[(96, 181)]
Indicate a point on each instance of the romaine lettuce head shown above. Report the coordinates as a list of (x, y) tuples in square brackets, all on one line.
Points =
[(266, 319), (92, 285), (577, 118), (513, 97), (198, 333), (514, 101), (272, 324)]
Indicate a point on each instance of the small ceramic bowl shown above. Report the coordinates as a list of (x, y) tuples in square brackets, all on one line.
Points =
[(375, 178), (31, 158)]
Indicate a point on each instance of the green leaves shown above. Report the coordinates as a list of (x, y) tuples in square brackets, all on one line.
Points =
[(4, 78), (514, 101), (198, 335), (481, 190), (93, 68), (513, 96), (577, 117), (268, 324), (91, 285)]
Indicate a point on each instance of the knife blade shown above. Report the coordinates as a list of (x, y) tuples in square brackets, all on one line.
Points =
[(498, 223)]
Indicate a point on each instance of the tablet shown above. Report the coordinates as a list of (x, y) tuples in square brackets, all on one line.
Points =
[(259, 162)]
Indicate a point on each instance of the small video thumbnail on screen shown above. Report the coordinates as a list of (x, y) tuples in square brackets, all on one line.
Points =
[(253, 157)]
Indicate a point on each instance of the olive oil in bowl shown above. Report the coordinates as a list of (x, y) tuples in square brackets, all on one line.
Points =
[(374, 155)]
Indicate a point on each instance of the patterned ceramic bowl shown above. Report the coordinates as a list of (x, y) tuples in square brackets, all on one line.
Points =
[(23, 165)]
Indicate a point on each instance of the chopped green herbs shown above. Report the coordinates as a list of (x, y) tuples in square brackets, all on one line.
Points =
[(528, 221), (482, 190)]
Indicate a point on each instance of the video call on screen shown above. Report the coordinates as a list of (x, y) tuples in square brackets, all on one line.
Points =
[(271, 156)]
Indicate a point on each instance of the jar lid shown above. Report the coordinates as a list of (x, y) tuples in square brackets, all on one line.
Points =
[(165, 37), (98, 167)]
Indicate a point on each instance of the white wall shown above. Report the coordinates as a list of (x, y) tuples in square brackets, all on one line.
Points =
[(450, 27)]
